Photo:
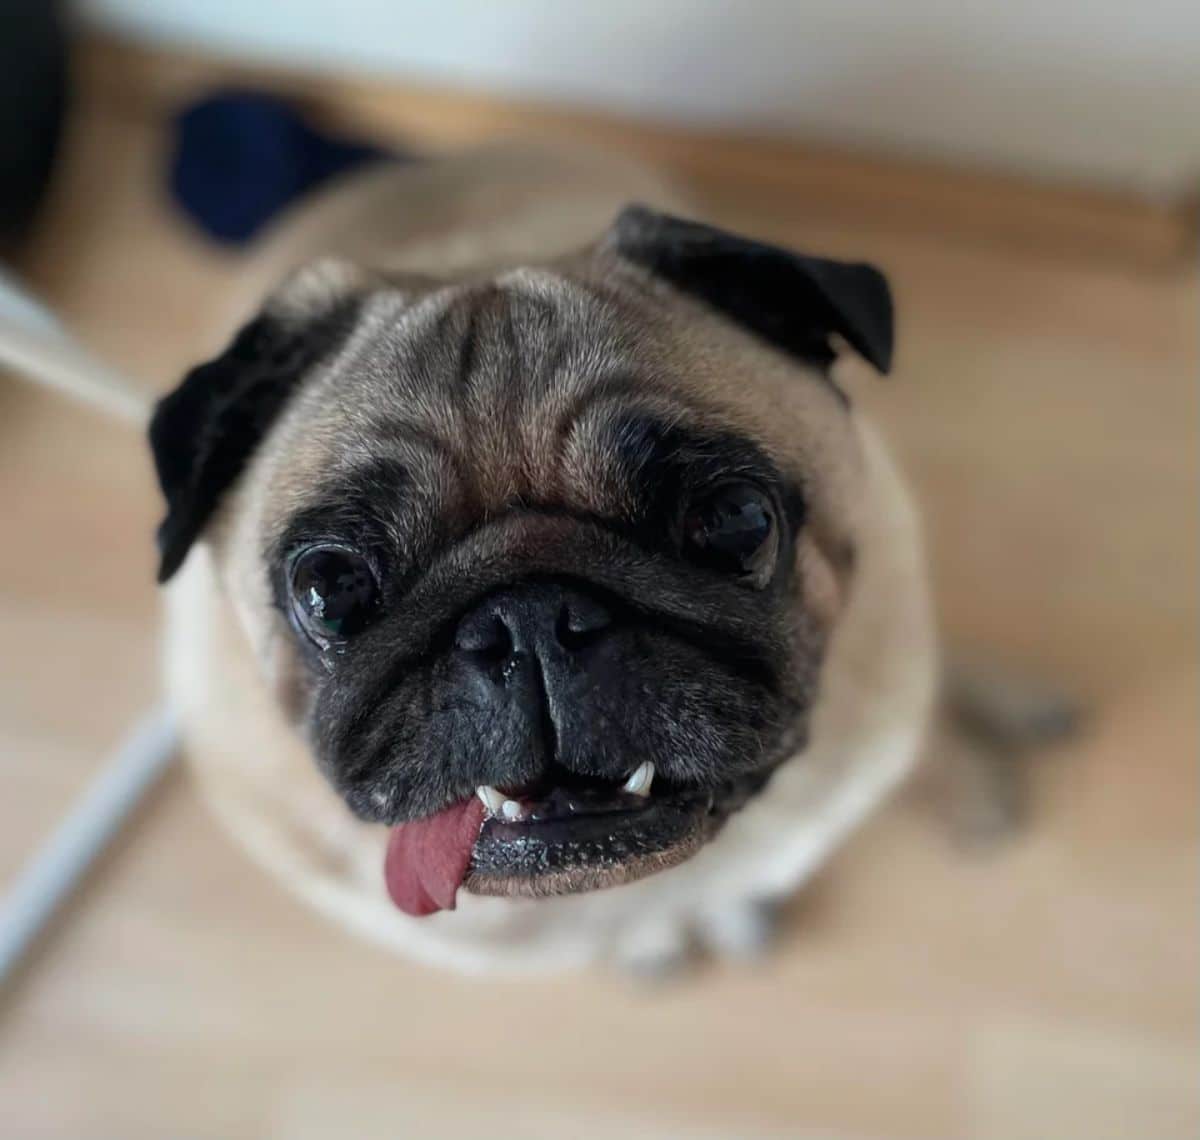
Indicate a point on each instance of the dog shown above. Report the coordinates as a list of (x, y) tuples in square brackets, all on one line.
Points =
[(536, 594)]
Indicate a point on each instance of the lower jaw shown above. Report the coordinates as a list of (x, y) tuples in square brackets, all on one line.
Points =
[(507, 863)]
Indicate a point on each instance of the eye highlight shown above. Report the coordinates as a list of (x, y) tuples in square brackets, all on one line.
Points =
[(733, 529), (334, 593)]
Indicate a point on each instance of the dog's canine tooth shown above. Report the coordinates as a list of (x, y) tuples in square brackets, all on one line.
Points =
[(511, 810), (639, 783), (492, 800)]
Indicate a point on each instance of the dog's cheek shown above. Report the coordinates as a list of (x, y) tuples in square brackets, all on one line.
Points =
[(707, 723), (406, 748), (290, 678), (822, 586)]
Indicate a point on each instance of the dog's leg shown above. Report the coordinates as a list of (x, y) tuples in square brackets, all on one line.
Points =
[(655, 951), (1006, 710), (738, 929), (980, 789), (993, 720), (741, 929)]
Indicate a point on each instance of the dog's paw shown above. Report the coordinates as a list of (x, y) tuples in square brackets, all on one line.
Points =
[(655, 952), (995, 720), (1004, 710), (742, 930), (985, 797)]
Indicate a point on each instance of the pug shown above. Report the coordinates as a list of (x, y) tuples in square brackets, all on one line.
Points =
[(536, 593)]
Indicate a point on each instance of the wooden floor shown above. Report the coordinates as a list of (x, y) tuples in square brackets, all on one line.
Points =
[(1047, 409)]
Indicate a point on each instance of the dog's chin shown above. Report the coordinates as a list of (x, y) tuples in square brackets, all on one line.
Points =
[(606, 841)]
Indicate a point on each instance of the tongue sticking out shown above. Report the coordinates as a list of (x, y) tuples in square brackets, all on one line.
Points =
[(427, 859)]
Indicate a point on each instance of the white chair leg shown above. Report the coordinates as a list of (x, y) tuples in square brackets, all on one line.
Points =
[(54, 871)]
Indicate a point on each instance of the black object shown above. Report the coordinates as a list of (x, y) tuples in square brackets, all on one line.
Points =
[(240, 157), (33, 92)]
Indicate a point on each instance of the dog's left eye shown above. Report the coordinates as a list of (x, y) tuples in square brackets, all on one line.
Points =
[(732, 529), (334, 592)]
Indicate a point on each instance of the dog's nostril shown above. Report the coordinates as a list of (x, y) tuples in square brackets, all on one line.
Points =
[(484, 633), (580, 620), (531, 624)]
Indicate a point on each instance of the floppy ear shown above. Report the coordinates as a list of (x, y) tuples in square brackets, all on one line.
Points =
[(203, 433), (791, 300)]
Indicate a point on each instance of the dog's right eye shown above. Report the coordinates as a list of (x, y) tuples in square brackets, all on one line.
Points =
[(334, 593), (732, 529)]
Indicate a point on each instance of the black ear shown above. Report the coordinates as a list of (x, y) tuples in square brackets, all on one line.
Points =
[(204, 432), (791, 300)]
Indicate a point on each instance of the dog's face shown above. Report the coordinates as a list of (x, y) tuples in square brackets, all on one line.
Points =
[(542, 565)]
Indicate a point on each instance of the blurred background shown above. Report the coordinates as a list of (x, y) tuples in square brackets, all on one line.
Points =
[(1027, 175)]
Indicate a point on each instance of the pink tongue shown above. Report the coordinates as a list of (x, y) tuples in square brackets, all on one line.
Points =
[(427, 859)]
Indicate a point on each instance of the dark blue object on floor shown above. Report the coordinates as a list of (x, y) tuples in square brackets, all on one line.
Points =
[(241, 157)]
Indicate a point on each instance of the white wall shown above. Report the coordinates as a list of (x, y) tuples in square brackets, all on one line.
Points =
[(1094, 90)]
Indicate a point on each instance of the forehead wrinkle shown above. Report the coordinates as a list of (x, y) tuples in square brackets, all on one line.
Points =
[(588, 447), (572, 347), (487, 382), (394, 438), (619, 386), (440, 477), (419, 386), (516, 360), (468, 357)]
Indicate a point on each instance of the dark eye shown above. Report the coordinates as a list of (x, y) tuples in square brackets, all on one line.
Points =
[(334, 592), (732, 529)]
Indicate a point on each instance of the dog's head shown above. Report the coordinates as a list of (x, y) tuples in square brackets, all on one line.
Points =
[(542, 564)]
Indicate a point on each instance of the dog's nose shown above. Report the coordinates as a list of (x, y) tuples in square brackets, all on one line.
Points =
[(536, 660), (542, 621)]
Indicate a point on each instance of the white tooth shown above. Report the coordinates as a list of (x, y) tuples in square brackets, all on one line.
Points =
[(639, 783), (492, 799), (511, 810)]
